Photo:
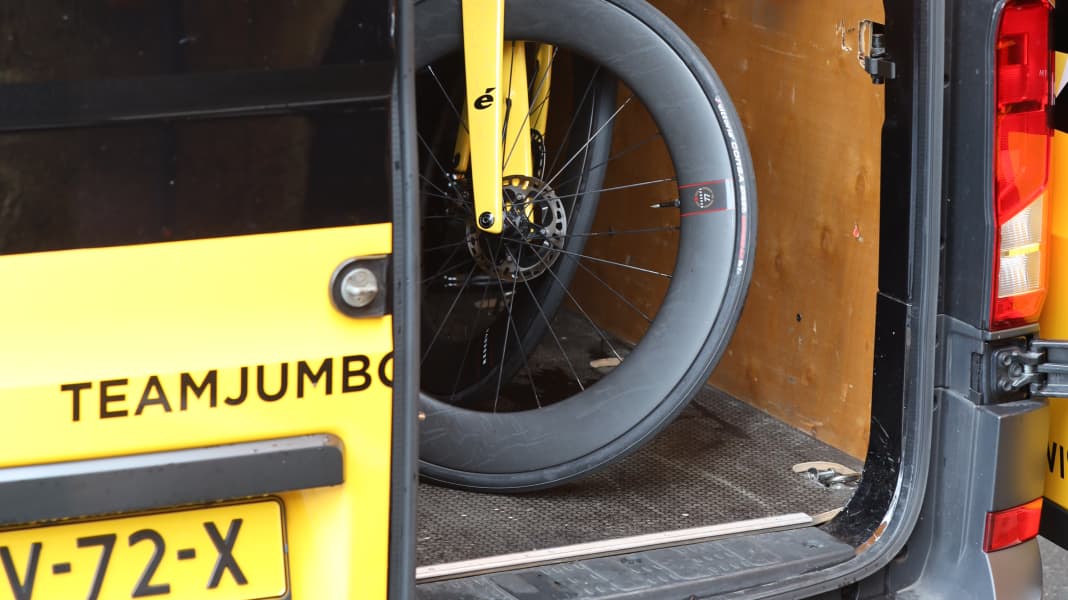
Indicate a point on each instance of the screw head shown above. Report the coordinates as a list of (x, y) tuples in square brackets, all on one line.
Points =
[(485, 220), (359, 287)]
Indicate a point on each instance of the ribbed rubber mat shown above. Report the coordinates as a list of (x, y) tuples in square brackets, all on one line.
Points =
[(721, 461), (708, 568)]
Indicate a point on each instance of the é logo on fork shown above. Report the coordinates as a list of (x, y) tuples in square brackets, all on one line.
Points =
[(485, 100)]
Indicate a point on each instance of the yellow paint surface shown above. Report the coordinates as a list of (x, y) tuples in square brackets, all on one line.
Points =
[(115, 556), (122, 325), (483, 23), (1054, 323)]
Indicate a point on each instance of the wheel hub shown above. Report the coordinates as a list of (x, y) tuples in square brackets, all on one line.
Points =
[(535, 224)]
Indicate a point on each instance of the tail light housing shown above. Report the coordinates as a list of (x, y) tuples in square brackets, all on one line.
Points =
[(1012, 526), (1023, 136)]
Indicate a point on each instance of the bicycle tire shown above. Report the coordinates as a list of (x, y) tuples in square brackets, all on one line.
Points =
[(535, 449)]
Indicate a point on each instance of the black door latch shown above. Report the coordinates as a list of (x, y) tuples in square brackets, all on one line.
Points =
[(1041, 368), (872, 52)]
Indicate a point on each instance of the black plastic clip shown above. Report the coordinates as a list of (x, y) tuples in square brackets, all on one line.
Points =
[(872, 52)]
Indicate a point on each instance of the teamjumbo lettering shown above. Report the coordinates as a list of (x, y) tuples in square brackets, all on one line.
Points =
[(116, 398)]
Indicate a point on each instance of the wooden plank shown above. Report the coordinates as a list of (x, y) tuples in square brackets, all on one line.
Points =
[(803, 349)]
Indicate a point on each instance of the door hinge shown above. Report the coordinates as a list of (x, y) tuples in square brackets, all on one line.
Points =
[(1041, 368), (871, 51)]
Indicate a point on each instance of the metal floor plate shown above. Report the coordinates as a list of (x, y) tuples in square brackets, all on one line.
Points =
[(720, 461), (705, 569)]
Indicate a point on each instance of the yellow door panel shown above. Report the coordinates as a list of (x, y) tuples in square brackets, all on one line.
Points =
[(1054, 323), (136, 349)]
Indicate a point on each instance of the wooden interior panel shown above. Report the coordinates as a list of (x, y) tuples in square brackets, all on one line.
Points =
[(803, 349)]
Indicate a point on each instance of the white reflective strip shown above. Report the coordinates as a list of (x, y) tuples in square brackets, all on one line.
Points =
[(1061, 68), (505, 562)]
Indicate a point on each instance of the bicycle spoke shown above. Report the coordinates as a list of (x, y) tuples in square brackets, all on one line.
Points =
[(574, 118), (530, 112), (444, 246), (582, 173), (432, 195), (623, 232), (581, 151), (595, 259), (590, 140), (626, 301), (507, 329), (444, 217), (538, 198), (429, 151), (579, 306), (615, 156), (507, 101), (448, 313), (530, 374), (552, 332), (467, 349), (516, 142), (519, 344), (448, 99), (438, 189), (445, 269), (616, 188)]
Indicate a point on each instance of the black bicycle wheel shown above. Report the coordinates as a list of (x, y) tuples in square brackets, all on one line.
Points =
[(466, 270), (571, 338)]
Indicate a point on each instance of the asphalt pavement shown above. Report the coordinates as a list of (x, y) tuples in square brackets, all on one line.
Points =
[(1054, 570)]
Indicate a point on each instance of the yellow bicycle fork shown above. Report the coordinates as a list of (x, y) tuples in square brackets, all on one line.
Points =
[(497, 140)]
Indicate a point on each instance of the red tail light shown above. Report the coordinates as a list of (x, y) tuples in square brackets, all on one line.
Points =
[(1012, 526), (1023, 134)]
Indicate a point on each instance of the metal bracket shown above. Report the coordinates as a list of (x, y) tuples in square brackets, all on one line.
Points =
[(871, 52), (1041, 368), (359, 287)]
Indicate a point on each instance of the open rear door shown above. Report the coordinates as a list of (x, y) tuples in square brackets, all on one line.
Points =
[(1055, 314), (197, 359)]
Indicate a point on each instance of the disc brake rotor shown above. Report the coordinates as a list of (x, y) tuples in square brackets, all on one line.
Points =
[(535, 225)]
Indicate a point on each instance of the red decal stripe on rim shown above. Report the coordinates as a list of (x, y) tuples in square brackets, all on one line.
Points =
[(702, 212), (693, 185)]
